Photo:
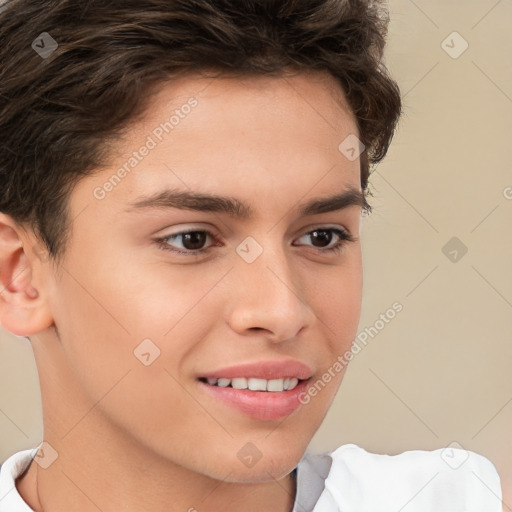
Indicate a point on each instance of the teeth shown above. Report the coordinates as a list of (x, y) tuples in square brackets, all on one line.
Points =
[(255, 384), (293, 383), (258, 385), (275, 385), (240, 383)]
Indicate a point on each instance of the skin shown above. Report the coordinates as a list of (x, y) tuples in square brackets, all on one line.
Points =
[(148, 436)]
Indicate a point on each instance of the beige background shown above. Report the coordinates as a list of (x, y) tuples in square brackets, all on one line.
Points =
[(440, 371)]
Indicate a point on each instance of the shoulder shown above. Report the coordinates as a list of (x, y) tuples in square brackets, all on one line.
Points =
[(12, 468), (449, 479)]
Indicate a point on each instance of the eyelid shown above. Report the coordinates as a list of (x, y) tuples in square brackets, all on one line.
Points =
[(187, 228), (319, 226), (161, 240), (341, 232), (334, 227)]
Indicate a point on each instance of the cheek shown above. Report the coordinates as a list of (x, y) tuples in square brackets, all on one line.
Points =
[(335, 294), (97, 338), (338, 308), (335, 297), (114, 321)]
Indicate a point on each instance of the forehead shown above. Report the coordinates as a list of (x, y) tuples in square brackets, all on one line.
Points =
[(213, 134), (312, 103)]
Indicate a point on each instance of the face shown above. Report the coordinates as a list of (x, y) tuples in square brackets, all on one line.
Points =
[(154, 296)]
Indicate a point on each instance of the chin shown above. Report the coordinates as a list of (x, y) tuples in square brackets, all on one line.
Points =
[(260, 473), (256, 468)]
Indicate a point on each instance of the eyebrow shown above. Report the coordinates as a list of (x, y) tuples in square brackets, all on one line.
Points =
[(234, 207)]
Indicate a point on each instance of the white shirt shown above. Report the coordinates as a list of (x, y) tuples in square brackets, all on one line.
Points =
[(350, 479)]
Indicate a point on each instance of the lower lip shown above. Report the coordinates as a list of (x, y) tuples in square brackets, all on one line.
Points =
[(260, 405)]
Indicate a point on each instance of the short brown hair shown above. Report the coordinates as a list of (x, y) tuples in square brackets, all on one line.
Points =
[(59, 113)]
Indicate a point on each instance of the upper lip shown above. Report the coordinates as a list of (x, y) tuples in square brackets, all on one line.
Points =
[(269, 369)]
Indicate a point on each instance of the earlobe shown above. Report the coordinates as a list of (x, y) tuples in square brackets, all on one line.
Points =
[(23, 308)]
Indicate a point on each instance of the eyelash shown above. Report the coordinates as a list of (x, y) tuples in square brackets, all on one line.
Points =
[(344, 236)]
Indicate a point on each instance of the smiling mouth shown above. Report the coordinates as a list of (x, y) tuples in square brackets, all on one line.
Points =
[(255, 384)]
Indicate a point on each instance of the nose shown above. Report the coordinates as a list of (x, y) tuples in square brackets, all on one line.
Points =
[(268, 296)]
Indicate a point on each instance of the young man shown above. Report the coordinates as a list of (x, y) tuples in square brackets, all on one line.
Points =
[(182, 188)]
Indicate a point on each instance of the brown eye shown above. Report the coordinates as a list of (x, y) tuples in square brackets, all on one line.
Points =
[(194, 240), (186, 242), (321, 238)]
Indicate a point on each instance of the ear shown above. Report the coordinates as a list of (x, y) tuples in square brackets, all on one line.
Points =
[(23, 302)]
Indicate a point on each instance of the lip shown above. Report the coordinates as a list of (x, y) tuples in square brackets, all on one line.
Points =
[(269, 369), (260, 405)]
